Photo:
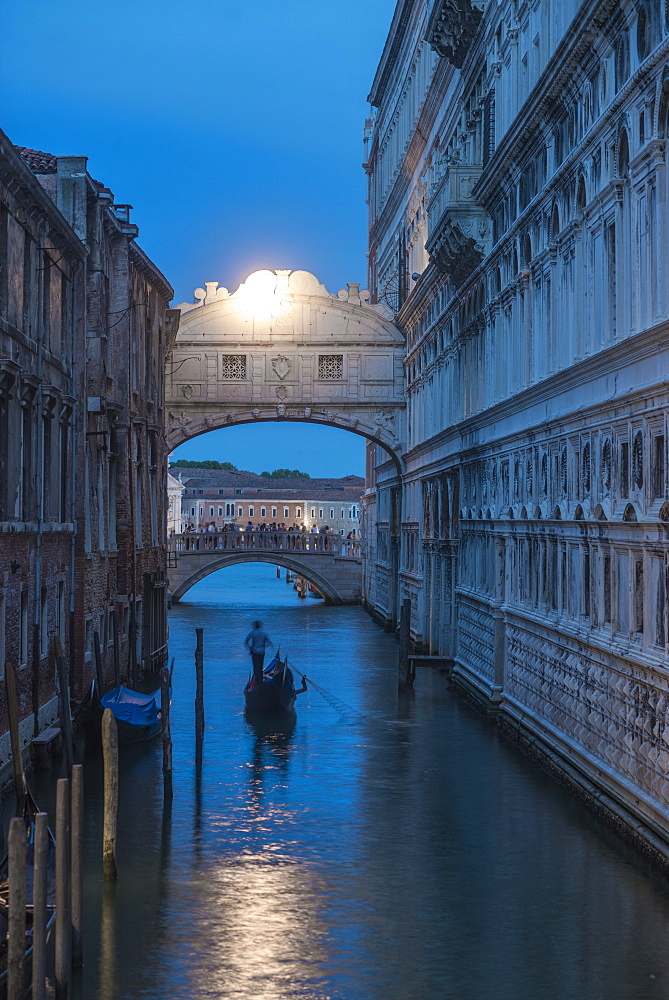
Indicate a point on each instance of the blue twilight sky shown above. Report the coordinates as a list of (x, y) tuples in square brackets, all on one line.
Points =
[(234, 128)]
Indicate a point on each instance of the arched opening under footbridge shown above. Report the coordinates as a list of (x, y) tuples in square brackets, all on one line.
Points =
[(332, 593)]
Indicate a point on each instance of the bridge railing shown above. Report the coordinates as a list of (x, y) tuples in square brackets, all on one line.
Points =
[(272, 541)]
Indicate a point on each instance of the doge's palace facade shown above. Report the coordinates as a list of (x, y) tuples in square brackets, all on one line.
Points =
[(517, 166)]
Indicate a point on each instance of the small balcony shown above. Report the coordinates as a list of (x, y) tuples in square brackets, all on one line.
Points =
[(460, 233)]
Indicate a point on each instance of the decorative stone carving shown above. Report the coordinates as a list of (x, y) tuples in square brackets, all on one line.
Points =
[(452, 27), (281, 392), (281, 366), (460, 231), (187, 391), (233, 366), (331, 366), (453, 252)]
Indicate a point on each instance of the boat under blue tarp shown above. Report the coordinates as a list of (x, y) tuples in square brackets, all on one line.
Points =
[(132, 707)]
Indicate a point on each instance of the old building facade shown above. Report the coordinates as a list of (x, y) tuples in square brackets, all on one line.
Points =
[(120, 492), (42, 266), (516, 158), (223, 498), (84, 330)]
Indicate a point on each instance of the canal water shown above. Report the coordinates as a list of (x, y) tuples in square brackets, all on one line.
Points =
[(384, 849)]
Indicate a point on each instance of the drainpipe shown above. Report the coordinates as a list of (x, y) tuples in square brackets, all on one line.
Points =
[(39, 494), (132, 638), (73, 462)]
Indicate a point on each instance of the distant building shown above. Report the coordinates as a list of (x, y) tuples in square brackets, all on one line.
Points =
[(175, 491), (220, 498)]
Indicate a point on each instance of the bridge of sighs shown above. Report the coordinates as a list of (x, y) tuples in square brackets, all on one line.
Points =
[(283, 348)]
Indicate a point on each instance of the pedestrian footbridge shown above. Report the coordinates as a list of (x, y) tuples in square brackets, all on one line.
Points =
[(333, 564)]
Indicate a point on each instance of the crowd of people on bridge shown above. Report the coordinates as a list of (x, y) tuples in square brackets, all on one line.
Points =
[(273, 533)]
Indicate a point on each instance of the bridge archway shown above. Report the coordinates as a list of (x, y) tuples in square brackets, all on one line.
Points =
[(329, 590), (284, 348)]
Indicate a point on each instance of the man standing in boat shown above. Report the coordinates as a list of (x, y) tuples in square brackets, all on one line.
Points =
[(257, 642)]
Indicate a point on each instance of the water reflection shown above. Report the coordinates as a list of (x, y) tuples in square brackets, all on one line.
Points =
[(272, 739), (381, 849), (108, 989), (267, 939)]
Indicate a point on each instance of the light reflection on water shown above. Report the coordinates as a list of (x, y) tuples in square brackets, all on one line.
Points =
[(381, 850)]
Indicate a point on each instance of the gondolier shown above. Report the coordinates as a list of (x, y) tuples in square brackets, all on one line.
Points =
[(257, 642)]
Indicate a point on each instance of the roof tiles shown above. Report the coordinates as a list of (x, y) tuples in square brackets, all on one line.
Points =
[(39, 162)]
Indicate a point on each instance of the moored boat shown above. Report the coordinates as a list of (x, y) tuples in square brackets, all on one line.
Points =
[(276, 693), (137, 715)]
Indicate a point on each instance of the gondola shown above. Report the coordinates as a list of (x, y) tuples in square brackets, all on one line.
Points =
[(276, 694), (137, 715), (30, 809)]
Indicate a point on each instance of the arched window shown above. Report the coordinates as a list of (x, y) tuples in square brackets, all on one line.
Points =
[(581, 199), (623, 154), (644, 30), (622, 62), (663, 117), (527, 251), (555, 223)]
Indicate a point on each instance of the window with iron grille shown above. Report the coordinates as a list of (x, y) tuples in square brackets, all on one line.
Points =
[(233, 366), (331, 366)]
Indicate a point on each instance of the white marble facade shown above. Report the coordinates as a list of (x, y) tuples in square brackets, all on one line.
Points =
[(517, 167)]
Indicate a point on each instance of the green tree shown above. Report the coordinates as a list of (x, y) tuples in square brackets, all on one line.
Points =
[(207, 463), (286, 474)]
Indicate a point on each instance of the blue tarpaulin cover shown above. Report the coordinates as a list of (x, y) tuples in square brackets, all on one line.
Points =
[(132, 707)]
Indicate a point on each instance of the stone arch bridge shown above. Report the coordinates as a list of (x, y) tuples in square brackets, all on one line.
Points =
[(284, 348), (330, 562)]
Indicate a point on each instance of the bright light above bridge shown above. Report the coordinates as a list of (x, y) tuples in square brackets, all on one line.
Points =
[(264, 296)]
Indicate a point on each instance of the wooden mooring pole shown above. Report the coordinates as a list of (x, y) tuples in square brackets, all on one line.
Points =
[(17, 909), (199, 687), (405, 674), (167, 735), (40, 906), (63, 956), (77, 894), (110, 819)]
